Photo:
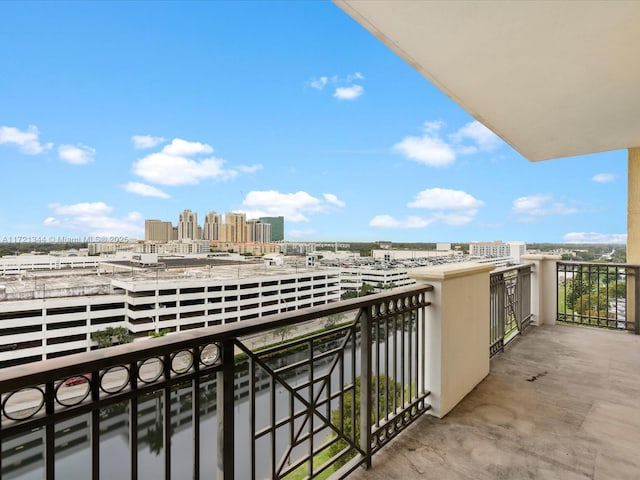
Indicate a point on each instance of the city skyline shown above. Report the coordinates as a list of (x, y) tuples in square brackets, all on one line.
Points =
[(115, 113), (229, 227)]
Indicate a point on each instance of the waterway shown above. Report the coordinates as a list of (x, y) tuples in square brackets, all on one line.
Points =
[(23, 457)]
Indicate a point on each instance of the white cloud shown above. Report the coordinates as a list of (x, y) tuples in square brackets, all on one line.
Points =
[(444, 199), (172, 165), (93, 219), (142, 142), (343, 87), (166, 169), (26, 141), (429, 148), (295, 207), (538, 205), (250, 168), (348, 93), (305, 232), (482, 138), (451, 207), (319, 83), (76, 154), (331, 198), (86, 208), (410, 222), (593, 237), (145, 190), (432, 149), (179, 147), (456, 218), (51, 222), (603, 178)]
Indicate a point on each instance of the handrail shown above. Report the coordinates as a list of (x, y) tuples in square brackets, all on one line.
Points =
[(356, 384), (20, 376)]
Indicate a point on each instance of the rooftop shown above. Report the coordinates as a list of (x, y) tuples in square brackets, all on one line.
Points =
[(62, 283), (560, 403)]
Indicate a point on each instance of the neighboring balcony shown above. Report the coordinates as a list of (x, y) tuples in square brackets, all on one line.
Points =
[(400, 383)]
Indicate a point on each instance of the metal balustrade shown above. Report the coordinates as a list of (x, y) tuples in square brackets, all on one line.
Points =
[(604, 295), (510, 305), (320, 404)]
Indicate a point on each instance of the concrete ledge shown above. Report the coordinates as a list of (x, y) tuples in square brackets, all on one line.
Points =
[(541, 257), (448, 271)]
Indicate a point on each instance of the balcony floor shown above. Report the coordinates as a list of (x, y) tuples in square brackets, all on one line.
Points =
[(562, 402)]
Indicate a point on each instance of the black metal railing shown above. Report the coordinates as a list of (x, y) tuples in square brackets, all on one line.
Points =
[(510, 305), (601, 295), (237, 401)]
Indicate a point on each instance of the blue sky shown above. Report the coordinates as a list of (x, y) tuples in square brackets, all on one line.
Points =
[(113, 112)]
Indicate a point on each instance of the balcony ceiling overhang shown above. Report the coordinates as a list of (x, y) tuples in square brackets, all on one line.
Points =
[(552, 79)]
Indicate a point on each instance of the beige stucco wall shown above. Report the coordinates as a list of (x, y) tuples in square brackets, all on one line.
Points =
[(457, 331)]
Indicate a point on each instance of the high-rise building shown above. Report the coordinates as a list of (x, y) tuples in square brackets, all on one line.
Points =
[(188, 226), (277, 227), (235, 227), (212, 223), (157, 231), (258, 232)]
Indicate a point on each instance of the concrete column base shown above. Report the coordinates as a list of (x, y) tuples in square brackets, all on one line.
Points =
[(457, 331)]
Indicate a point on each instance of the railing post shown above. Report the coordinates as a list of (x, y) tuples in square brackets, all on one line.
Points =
[(544, 288), (636, 300), (224, 412), (366, 382)]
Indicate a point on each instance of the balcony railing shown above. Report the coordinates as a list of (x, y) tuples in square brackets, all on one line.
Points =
[(601, 295), (235, 401), (510, 305)]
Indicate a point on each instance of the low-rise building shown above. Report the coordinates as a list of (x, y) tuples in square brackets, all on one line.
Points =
[(53, 316)]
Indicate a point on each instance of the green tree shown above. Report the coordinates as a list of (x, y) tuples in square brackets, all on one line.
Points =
[(111, 336), (349, 294), (283, 331), (333, 320), (366, 289), (160, 333), (385, 405)]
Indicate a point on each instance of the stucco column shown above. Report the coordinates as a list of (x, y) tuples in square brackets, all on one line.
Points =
[(633, 225), (544, 288), (456, 330), (633, 206)]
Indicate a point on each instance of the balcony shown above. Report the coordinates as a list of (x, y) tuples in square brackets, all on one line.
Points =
[(560, 403), (400, 383)]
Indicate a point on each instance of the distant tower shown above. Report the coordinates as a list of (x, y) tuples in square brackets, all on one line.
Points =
[(212, 223), (158, 231), (188, 226), (277, 227), (236, 224), (258, 232)]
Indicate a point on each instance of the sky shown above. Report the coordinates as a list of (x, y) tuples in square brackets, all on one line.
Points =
[(116, 112)]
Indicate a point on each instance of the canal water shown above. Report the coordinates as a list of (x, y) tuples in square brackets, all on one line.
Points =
[(23, 457)]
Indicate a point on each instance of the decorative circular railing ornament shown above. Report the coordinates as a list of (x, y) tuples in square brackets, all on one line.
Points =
[(73, 390), (407, 302), (181, 362), (150, 370), (23, 404), (391, 306), (383, 308), (209, 354), (114, 379)]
